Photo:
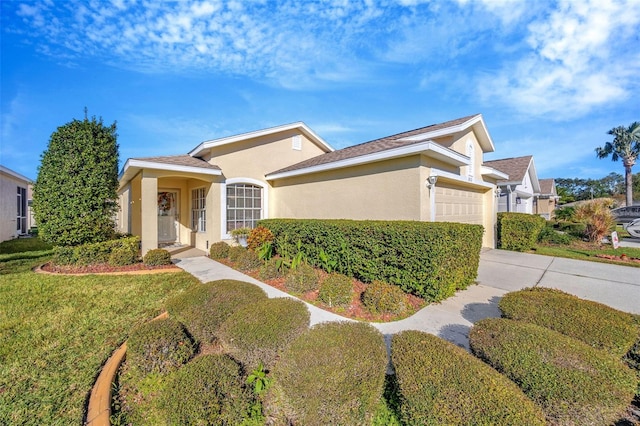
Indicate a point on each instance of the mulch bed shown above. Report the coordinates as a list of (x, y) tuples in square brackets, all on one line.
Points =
[(103, 268), (356, 310)]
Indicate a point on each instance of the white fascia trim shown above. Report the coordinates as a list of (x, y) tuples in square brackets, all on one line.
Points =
[(454, 129), (493, 173), (259, 133), (223, 201), (16, 175), (454, 157), (170, 167), (458, 178)]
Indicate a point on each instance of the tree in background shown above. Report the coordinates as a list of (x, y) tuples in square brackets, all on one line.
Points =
[(625, 145), (74, 196)]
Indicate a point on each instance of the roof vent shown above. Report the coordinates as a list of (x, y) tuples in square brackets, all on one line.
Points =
[(296, 143)]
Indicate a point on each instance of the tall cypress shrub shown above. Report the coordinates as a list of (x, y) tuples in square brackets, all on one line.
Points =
[(74, 197)]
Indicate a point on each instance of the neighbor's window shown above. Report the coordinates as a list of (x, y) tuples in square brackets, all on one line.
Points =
[(244, 206), (198, 210)]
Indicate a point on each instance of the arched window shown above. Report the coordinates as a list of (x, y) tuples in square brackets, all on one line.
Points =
[(244, 205)]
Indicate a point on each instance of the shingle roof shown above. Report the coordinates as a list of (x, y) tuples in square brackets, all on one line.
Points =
[(515, 167), (374, 146), (546, 186), (180, 160)]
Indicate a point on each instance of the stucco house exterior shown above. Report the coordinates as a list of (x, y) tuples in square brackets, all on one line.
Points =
[(435, 173), (547, 199), (15, 212), (518, 191)]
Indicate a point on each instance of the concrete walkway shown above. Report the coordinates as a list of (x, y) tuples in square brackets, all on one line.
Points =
[(499, 272)]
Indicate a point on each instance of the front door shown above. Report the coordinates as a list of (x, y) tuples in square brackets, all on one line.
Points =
[(167, 217)]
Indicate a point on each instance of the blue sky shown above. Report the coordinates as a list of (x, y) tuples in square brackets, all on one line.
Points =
[(550, 78)]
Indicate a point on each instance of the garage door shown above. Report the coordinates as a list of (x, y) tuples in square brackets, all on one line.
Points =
[(458, 205)]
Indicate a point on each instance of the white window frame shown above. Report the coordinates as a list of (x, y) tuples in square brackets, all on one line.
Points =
[(223, 201), (471, 153), (199, 209)]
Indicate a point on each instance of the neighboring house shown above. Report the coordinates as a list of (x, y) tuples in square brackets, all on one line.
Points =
[(547, 200), (518, 191), (435, 173), (15, 210)]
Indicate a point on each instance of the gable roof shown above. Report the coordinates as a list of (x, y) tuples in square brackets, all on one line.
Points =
[(14, 174), (548, 187), (300, 126), (517, 168), (401, 144), (177, 163)]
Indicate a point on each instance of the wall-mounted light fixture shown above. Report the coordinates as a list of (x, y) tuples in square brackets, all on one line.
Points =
[(498, 192), (431, 180)]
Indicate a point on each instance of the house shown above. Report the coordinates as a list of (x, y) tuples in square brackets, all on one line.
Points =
[(547, 199), (15, 191), (518, 191), (435, 173)]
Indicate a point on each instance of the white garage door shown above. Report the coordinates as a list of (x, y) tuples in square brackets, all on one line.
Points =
[(458, 205)]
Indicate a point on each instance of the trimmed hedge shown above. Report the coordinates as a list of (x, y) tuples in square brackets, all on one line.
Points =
[(207, 391), (440, 383), (261, 331), (122, 251), (157, 257), (204, 307), (519, 231), (159, 346), (336, 290), (569, 379), (423, 258), (302, 279), (333, 374), (380, 297), (219, 250), (596, 324)]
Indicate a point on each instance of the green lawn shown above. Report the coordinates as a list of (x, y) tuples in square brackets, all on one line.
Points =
[(582, 252), (57, 331)]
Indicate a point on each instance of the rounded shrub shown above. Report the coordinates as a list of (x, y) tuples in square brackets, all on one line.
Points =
[(207, 391), (159, 346), (333, 374), (441, 383), (235, 252), (219, 250), (259, 332), (302, 279), (271, 269), (549, 235), (259, 236), (596, 324), (157, 257), (248, 261), (336, 290), (204, 307), (569, 379), (381, 297)]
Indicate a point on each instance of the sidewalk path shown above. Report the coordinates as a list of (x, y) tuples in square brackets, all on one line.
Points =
[(499, 272)]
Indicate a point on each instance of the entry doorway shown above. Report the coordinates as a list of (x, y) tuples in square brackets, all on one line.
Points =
[(168, 217)]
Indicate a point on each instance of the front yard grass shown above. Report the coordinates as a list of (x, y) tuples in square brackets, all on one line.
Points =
[(590, 252), (57, 331)]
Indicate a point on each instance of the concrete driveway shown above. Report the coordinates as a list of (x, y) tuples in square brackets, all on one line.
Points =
[(499, 272)]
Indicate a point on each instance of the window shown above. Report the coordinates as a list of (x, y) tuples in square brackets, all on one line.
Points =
[(198, 210), (21, 227), (244, 206)]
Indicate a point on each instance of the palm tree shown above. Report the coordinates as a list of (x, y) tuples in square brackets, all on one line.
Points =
[(625, 145)]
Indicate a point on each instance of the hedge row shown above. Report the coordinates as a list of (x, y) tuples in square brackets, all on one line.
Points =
[(569, 379), (598, 325), (440, 383), (519, 231), (119, 252), (204, 307), (332, 374), (430, 260)]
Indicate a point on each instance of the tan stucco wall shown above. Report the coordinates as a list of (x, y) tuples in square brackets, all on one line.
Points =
[(388, 190), (8, 205)]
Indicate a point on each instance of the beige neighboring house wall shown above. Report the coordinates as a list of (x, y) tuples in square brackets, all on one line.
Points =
[(435, 173), (16, 217), (547, 199)]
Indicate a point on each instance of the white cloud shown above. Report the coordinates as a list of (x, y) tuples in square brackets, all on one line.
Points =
[(582, 55)]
